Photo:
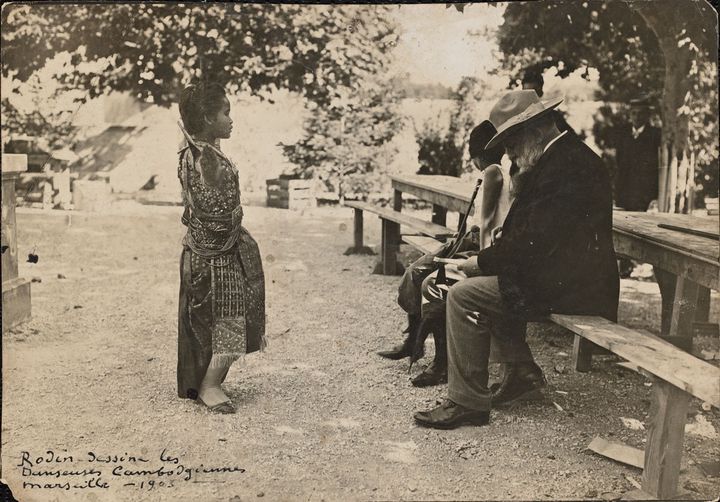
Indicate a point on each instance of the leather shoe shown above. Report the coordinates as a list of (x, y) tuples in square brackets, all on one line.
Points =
[(396, 353), (450, 415), (405, 349), (400, 351), (434, 374), (521, 382)]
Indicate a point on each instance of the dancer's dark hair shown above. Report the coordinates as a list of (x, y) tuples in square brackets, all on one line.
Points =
[(198, 102)]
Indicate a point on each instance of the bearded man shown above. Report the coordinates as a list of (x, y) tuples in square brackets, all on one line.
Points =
[(555, 254)]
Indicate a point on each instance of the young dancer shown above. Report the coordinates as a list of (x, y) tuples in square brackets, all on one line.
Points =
[(222, 289)]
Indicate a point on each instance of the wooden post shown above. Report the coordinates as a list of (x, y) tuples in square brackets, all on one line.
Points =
[(439, 216), (582, 354), (390, 244), (358, 229), (15, 290), (664, 447)]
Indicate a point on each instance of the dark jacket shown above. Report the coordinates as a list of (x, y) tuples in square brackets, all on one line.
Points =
[(556, 251), (636, 180)]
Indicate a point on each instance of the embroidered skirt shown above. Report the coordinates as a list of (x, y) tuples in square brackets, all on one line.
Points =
[(221, 311)]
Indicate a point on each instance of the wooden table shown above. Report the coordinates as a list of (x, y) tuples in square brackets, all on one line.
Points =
[(692, 259), (695, 262), (446, 193)]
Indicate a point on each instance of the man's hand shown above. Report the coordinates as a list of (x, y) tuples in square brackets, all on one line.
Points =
[(495, 234), (470, 267)]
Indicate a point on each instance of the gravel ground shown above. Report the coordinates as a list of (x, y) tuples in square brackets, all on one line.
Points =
[(320, 416)]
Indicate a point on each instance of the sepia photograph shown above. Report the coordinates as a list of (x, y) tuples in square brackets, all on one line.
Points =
[(360, 251)]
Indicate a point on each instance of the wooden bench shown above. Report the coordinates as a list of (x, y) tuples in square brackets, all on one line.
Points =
[(445, 193), (677, 376), (391, 237)]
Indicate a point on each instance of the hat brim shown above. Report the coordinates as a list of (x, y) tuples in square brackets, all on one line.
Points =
[(511, 125)]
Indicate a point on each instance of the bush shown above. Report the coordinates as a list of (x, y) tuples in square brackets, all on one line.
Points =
[(437, 151)]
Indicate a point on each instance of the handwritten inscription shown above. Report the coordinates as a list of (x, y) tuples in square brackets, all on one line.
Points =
[(52, 470)]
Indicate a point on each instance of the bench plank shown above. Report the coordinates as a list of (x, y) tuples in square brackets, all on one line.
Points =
[(424, 227), (651, 353), (426, 245)]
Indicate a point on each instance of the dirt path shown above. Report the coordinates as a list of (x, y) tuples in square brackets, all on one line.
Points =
[(320, 416)]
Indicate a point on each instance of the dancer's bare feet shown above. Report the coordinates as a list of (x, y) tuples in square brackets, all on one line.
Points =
[(211, 395), (216, 400)]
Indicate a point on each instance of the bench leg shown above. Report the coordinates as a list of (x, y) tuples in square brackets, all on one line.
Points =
[(358, 229), (664, 448), (397, 200), (582, 354), (358, 244), (666, 282), (702, 314), (439, 216), (390, 245)]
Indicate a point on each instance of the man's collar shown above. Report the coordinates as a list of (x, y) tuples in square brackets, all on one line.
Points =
[(637, 131), (554, 140)]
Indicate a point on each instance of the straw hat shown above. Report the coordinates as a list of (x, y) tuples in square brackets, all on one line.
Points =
[(515, 109)]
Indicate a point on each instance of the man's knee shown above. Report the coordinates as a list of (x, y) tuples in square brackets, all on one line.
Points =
[(474, 292), (458, 294)]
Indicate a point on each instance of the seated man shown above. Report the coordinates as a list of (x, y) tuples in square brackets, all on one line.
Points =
[(555, 254), (495, 202)]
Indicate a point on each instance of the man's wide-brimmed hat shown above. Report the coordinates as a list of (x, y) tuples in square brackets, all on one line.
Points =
[(515, 109)]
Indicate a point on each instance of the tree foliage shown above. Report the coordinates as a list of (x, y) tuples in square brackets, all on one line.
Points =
[(152, 49), (444, 150), (53, 128), (629, 43), (347, 145), (335, 56), (608, 36)]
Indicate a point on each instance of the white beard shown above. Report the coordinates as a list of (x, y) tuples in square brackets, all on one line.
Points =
[(525, 161)]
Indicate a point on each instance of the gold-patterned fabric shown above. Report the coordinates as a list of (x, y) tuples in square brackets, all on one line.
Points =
[(222, 291)]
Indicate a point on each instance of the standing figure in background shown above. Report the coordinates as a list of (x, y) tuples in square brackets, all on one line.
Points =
[(222, 288), (637, 157), (418, 282)]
